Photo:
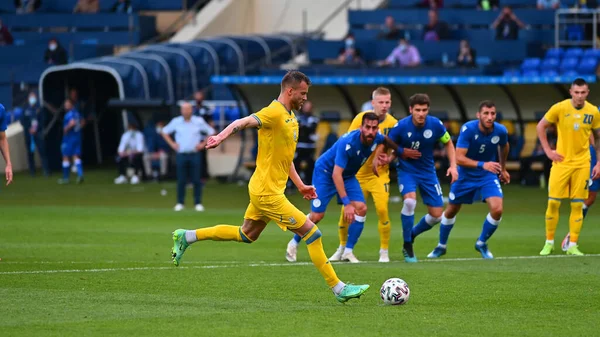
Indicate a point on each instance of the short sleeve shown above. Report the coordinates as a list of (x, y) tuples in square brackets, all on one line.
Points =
[(596, 122), (503, 136), (441, 128), (265, 117), (553, 114), (464, 138), (169, 128), (341, 155), (3, 119)]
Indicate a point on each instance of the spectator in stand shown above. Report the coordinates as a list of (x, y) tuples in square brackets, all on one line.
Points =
[(349, 54), (27, 6), (6, 37), (507, 25), (466, 55), (548, 4), (122, 6), (130, 152), (405, 55), (55, 54), (86, 6), (487, 5), (389, 30), (431, 4), (435, 30)]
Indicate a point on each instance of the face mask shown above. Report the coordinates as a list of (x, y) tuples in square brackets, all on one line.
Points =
[(52, 46), (349, 43), (32, 100), (403, 47)]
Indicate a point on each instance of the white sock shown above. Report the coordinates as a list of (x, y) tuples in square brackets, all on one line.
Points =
[(550, 242), (293, 242), (480, 243), (383, 251), (572, 244), (190, 236), (341, 248), (441, 245), (337, 289), (347, 251)]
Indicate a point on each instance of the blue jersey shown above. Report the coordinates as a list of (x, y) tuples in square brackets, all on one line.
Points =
[(3, 119), (74, 133), (349, 153), (407, 135), (480, 147)]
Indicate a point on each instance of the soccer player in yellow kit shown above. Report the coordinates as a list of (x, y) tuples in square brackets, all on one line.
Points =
[(277, 139), (377, 187), (575, 119)]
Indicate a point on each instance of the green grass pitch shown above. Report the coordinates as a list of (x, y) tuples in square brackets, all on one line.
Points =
[(94, 260)]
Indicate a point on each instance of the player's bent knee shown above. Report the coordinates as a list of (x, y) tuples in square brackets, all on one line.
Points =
[(360, 208), (316, 217), (553, 204), (436, 213), (312, 235), (409, 206), (496, 212)]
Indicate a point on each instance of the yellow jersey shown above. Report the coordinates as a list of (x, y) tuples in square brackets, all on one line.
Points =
[(574, 128), (366, 170), (277, 139)]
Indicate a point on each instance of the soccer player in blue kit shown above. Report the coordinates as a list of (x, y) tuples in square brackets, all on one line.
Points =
[(71, 142), (335, 173), (420, 132), (480, 174)]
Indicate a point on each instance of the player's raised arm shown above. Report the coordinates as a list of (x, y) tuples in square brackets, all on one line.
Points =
[(551, 117), (233, 128)]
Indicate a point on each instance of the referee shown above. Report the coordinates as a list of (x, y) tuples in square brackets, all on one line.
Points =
[(188, 142)]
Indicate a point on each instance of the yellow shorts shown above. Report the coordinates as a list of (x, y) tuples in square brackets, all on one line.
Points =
[(277, 208), (377, 187), (569, 182)]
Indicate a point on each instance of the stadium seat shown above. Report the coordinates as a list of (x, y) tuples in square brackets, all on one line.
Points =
[(549, 72), (555, 53), (531, 73), (549, 64), (574, 52), (531, 64), (588, 65), (591, 52), (569, 63), (570, 73), (512, 72)]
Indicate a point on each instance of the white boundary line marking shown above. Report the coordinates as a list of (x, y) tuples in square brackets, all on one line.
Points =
[(253, 264)]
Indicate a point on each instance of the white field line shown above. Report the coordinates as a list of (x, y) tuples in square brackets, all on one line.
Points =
[(258, 264)]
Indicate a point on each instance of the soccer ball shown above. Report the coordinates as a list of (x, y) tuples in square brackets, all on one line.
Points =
[(395, 291)]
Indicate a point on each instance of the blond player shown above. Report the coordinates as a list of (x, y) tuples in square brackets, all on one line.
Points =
[(575, 119)]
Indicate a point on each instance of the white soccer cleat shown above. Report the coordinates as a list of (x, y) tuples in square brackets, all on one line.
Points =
[(178, 207), (337, 256), (565, 242), (135, 180), (291, 251), (120, 180), (384, 256), (199, 208), (349, 256)]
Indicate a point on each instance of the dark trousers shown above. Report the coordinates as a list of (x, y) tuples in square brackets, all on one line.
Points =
[(189, 166), (39, 147), (134, 161), (204, 166), (305, 164), (525, 171)]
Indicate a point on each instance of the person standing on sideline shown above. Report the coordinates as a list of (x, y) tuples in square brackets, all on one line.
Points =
[(4, 144), (188, 142), (71, 142), (30, 121)]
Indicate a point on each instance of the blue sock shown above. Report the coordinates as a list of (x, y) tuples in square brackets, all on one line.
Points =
[(421, 227), (407, 224), (354, 231), (585, 210), (79, 167), (489, 227), (297, 238), (66, 170), (445, 233)]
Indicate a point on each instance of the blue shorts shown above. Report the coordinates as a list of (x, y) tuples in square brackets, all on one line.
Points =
[(594, 185), (70, 149), (326, 190), (465, 191), (429, 186)]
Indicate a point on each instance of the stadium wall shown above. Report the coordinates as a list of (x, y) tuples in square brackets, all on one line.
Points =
[(231, 17)]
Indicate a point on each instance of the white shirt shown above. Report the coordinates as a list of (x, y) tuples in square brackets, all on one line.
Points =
[(188, 134), (132, 140)]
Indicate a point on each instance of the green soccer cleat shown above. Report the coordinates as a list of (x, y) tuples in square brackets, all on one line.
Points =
[(179, 245), (574, 250), (351, 291), (547, 250)]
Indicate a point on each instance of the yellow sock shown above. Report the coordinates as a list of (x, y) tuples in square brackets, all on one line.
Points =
[(222, 233), (384, 226), (576, 220), (552, 218), (318, 257), (343, 230)]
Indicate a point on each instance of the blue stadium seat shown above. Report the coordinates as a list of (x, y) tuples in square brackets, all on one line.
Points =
[(531, 73), (574, 52), (549, 64), (512, 72), (555, 53), (549, 72), (460, 3), (588, 65), (530, 64), (570, 73), (569, 63), (591, 52)]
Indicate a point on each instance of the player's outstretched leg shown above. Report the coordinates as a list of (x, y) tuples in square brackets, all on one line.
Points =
[(408, 220), (575, 223), (426, 223), (445, 228), (552, 216), (182, 238)]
